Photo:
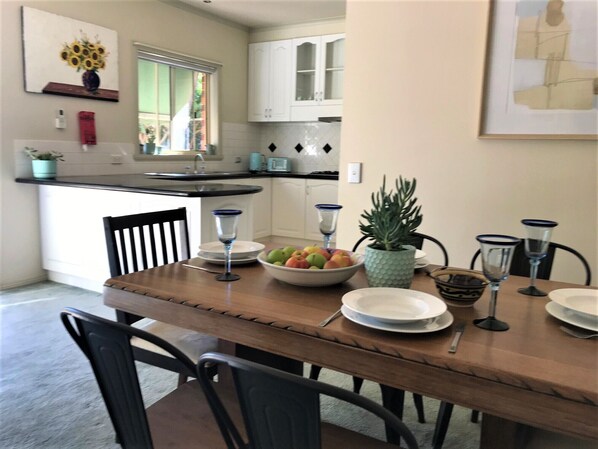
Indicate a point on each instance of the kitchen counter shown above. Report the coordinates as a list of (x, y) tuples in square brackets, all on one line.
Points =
[(140, 183)]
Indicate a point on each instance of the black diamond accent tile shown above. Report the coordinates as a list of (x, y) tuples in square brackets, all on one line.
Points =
[(299, 147), (272, 147), (327, 148)]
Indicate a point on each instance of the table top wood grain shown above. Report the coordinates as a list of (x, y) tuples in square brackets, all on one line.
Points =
[(533, 373)]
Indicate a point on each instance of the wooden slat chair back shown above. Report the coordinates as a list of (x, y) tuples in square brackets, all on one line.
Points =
[(147, 240)]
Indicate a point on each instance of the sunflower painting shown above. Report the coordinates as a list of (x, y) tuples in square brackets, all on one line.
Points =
[(63, 56)]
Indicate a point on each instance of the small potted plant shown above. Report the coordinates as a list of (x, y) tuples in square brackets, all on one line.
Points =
[(390, 258), (43, 163), (150, 144)]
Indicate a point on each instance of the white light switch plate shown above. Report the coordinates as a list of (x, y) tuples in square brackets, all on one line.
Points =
[(354, 174)]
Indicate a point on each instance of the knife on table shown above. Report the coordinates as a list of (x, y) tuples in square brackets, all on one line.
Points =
[(459, 329)]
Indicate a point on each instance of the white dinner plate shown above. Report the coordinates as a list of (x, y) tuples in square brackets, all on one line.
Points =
[(218, 261), (572, 317), (421, 263), (394, 305), (241, 249), (419, 254), (582, 300), (415, 327)]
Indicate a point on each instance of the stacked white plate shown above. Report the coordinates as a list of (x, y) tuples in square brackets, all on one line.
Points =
[(242, 252), (396, 310), (577, 306), (420, 259)]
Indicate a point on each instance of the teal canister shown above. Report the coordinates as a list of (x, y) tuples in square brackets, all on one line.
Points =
[(257, 162)]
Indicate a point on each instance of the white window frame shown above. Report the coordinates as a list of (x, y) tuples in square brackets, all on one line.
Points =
[(168, 57)]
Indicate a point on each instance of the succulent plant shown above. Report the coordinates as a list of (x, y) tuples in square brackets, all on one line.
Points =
[(393, 217), (44, 156)]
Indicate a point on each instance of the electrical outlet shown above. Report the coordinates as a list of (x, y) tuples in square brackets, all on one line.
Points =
[(116, 159)]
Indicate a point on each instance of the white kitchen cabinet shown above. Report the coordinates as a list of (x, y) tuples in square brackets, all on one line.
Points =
[(293, 206), (73, 242), (318, 75), (269, 81), (288, 207), (261, 206)]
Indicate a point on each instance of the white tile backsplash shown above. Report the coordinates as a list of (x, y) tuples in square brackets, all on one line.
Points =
[(238, 140), (312, 137)]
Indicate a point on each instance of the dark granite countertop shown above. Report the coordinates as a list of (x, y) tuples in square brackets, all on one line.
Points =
[(141, 183)]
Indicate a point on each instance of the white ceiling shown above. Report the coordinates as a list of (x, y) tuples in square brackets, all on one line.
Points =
[(269, 13)]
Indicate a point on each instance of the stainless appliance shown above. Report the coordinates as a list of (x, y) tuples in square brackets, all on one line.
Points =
[(257, 162), (279, 164)]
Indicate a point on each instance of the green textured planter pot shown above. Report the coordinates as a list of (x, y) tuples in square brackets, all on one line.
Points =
[(389, 268), (43, 169)]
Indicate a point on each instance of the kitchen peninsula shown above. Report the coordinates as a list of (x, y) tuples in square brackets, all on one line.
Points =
[(72, 207)]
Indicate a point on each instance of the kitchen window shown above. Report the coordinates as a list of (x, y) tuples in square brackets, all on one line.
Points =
[(177, 104)]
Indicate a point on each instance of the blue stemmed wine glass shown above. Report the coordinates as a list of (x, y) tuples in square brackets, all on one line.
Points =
[(328, 217), (226, 226), (497, 254), (536, 248)]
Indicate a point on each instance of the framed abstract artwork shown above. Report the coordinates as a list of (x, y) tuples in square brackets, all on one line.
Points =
[(64, 56), (541, 74)]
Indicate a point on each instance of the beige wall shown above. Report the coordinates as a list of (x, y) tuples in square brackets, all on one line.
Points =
[(31, 116), (412, 100)]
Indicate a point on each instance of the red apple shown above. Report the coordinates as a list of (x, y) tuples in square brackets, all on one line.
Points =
[(297, 261), (324, 253), (343, 260), (331, 265), (300, 252)]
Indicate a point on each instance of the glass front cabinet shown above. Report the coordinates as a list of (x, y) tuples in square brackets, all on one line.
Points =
[(318, 74)]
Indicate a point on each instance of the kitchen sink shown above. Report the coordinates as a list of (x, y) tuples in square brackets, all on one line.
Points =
[(184, 176)]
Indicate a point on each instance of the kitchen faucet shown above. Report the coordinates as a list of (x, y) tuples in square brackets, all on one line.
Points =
[(203, 166)]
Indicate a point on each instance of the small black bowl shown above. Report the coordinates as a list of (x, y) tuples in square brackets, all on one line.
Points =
[(459, 287)]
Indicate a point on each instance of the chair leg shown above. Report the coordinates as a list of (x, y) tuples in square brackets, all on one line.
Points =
[(419, 406), (314, 372), (357, 383), (182, 380), (475, 416), (393, 400), (442, 421)]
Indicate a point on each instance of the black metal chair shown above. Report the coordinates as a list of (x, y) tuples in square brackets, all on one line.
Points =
[(182, 418), (141, 241), (519, 267), (282, 410)]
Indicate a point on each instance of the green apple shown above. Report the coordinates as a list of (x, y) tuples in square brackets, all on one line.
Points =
[(276, 255), (316, 259), (287, 251), (313, 267), (278, 263)]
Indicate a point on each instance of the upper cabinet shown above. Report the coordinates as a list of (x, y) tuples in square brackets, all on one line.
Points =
[(318, 73), (269, 81), (296, 80)]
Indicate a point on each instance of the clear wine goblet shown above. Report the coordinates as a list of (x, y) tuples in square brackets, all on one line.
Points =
[(497, 254), (536, 248), (328, 217), (226, 226)]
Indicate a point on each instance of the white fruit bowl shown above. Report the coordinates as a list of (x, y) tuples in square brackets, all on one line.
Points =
[(311, 278)]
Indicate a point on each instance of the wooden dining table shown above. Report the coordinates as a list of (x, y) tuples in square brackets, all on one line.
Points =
[(531, 375)]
